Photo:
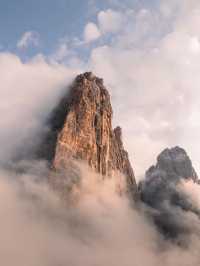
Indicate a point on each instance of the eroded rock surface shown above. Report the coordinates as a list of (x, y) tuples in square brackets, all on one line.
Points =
[(81, 129)]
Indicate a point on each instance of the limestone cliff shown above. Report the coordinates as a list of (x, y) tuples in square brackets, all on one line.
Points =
[(81, 128)]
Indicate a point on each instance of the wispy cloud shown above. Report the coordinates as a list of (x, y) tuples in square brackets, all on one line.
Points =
[(110, 21), (61, 52), (29, 38)]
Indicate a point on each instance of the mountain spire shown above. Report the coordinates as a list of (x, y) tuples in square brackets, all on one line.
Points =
[(81, 129)]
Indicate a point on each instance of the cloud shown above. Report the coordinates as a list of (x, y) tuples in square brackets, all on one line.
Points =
[(29, 38), (109, 21), (97, 228), (87, 233), (61, 53), (151, 67), (29, 92), (91, 32)]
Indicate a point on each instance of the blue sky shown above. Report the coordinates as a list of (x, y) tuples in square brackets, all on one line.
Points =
[(52, 20)]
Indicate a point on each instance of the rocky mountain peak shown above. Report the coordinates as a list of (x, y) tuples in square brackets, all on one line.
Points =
[(81, 129), (160, 190), (174, 164)]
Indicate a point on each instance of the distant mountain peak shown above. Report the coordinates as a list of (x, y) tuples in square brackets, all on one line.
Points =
[(161, 192), (175, 164)]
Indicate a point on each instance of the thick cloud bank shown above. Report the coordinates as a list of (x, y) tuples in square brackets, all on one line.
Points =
[(98, 228)]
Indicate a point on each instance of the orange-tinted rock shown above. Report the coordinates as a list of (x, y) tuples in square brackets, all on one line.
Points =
[(82, 129)]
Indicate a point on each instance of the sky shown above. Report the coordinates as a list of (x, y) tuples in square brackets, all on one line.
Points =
[(51, 19), (147, 52)]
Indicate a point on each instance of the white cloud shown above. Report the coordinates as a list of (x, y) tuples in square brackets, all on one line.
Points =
[(95, 226), (195, 45), (29, 92), (29, 38), (110, 21), (152, 70), (91, 32)]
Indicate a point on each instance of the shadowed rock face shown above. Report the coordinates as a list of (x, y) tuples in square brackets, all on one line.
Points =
[(81, 129), (160, 191)]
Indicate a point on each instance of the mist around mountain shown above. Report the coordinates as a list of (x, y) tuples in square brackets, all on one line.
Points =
[(163, 190), (76, 215)]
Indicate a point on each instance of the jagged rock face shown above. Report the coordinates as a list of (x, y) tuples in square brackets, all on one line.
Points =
[(160, 191), (81, 128), (176, 164)]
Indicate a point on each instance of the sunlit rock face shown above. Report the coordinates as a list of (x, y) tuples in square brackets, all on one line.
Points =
[(160, 191), (81, 129)]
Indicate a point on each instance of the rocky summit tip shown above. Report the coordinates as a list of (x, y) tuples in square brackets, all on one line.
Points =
[(90, 77)]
